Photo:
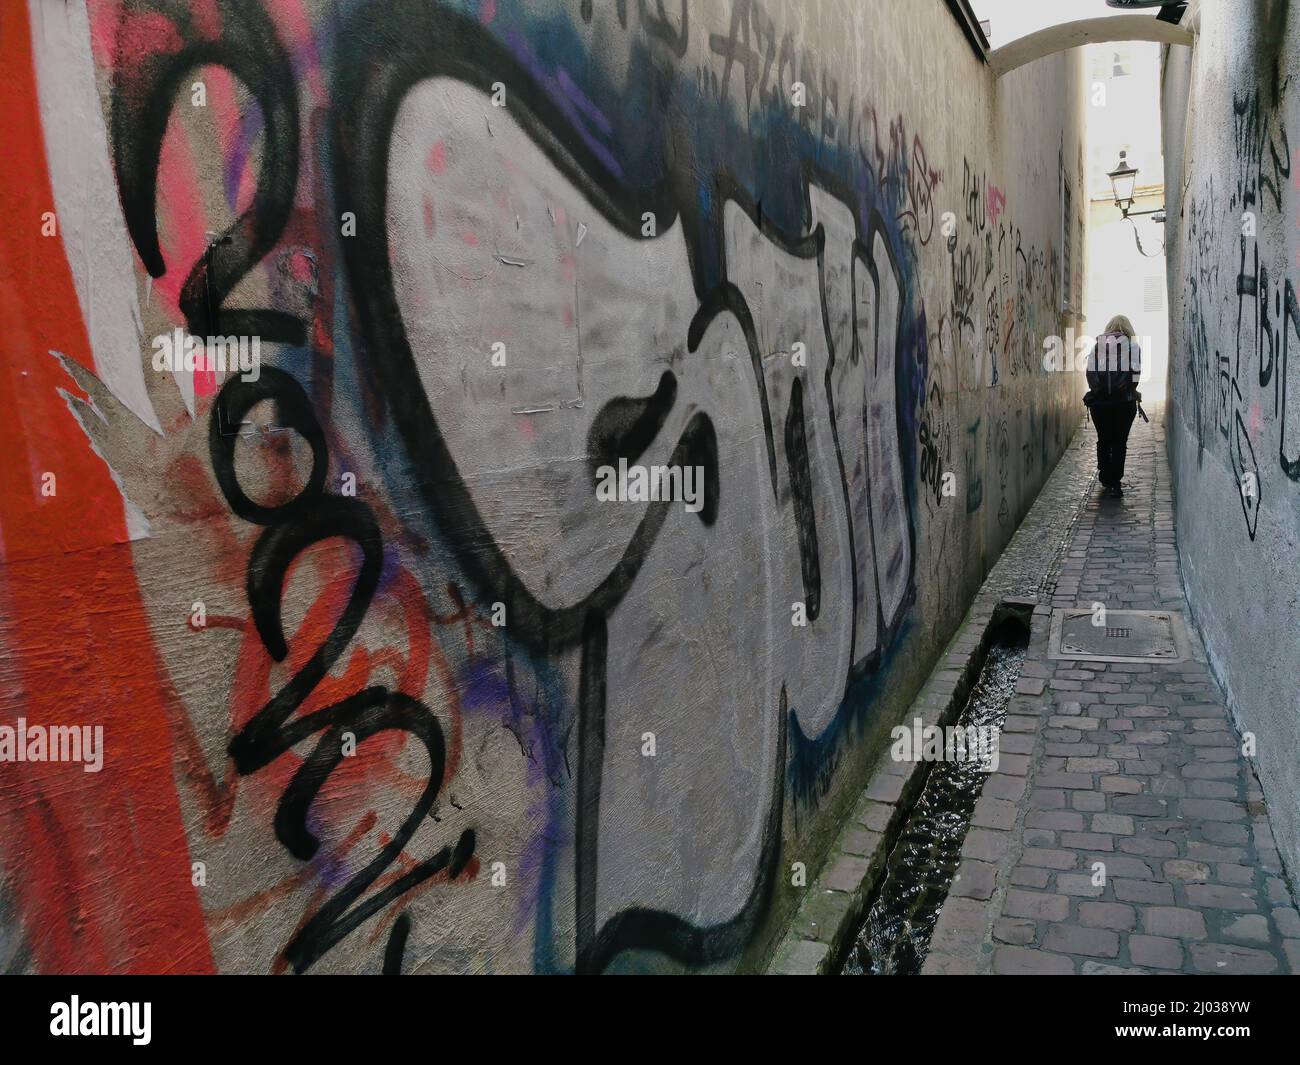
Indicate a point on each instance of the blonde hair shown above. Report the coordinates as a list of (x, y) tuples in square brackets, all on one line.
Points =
[(1120, 324)]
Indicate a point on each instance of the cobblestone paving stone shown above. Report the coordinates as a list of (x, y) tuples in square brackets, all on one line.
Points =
[(1134, 770)]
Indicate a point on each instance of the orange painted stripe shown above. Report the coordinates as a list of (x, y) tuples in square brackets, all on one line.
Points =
[(100, 860)]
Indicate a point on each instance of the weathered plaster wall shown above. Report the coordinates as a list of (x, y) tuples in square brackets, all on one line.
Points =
[(339, 761), (1234, 238)]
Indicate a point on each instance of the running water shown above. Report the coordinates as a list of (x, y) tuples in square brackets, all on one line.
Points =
[(895, 935)]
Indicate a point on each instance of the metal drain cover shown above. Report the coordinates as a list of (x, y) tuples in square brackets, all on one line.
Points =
[(1118, 635)]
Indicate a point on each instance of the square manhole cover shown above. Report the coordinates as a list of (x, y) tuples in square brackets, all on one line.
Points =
[(1118, 635)]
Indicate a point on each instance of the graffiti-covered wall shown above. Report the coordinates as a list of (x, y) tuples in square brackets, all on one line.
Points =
[(483, 478), (1230, 107)]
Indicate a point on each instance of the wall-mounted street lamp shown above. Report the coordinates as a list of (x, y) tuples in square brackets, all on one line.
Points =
[(1123, 179)]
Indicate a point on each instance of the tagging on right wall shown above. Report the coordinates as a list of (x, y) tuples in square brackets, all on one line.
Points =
[(1230, 105)]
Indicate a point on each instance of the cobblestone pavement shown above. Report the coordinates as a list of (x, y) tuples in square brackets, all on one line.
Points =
[(1124, 831)]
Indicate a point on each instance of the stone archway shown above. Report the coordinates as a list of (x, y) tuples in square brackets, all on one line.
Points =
[(1067, 35)]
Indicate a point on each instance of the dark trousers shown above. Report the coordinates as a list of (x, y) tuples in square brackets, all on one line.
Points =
[(1113, 421)]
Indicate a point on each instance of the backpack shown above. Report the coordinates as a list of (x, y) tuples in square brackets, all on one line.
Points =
[(1114, 365)]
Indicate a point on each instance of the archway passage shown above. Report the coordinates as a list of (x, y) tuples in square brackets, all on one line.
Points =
[(1068, 35)]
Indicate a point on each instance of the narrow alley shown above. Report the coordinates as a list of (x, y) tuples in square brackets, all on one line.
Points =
[(710, 487)]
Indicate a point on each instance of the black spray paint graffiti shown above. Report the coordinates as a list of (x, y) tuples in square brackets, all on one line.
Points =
[(1202, 282), (143, 95), (771, 67), (934, 439), (1228, 397), (1268, 327), (1002, 457), (922, 181), (310, 518), (974, 469), (1003, 292), (1004, 299), (849, 402), (1266, 308), (370, 90), (1263, 153)]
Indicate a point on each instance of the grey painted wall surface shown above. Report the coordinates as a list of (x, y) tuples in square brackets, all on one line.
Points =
[(1234, 439), (812, 247)]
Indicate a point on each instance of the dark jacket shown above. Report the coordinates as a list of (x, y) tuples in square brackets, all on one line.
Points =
[(1114, 366)]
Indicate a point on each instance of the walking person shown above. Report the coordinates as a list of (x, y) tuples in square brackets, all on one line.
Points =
[(1114, 366)]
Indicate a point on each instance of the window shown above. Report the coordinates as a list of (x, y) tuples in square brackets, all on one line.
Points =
[(1073, 239)]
